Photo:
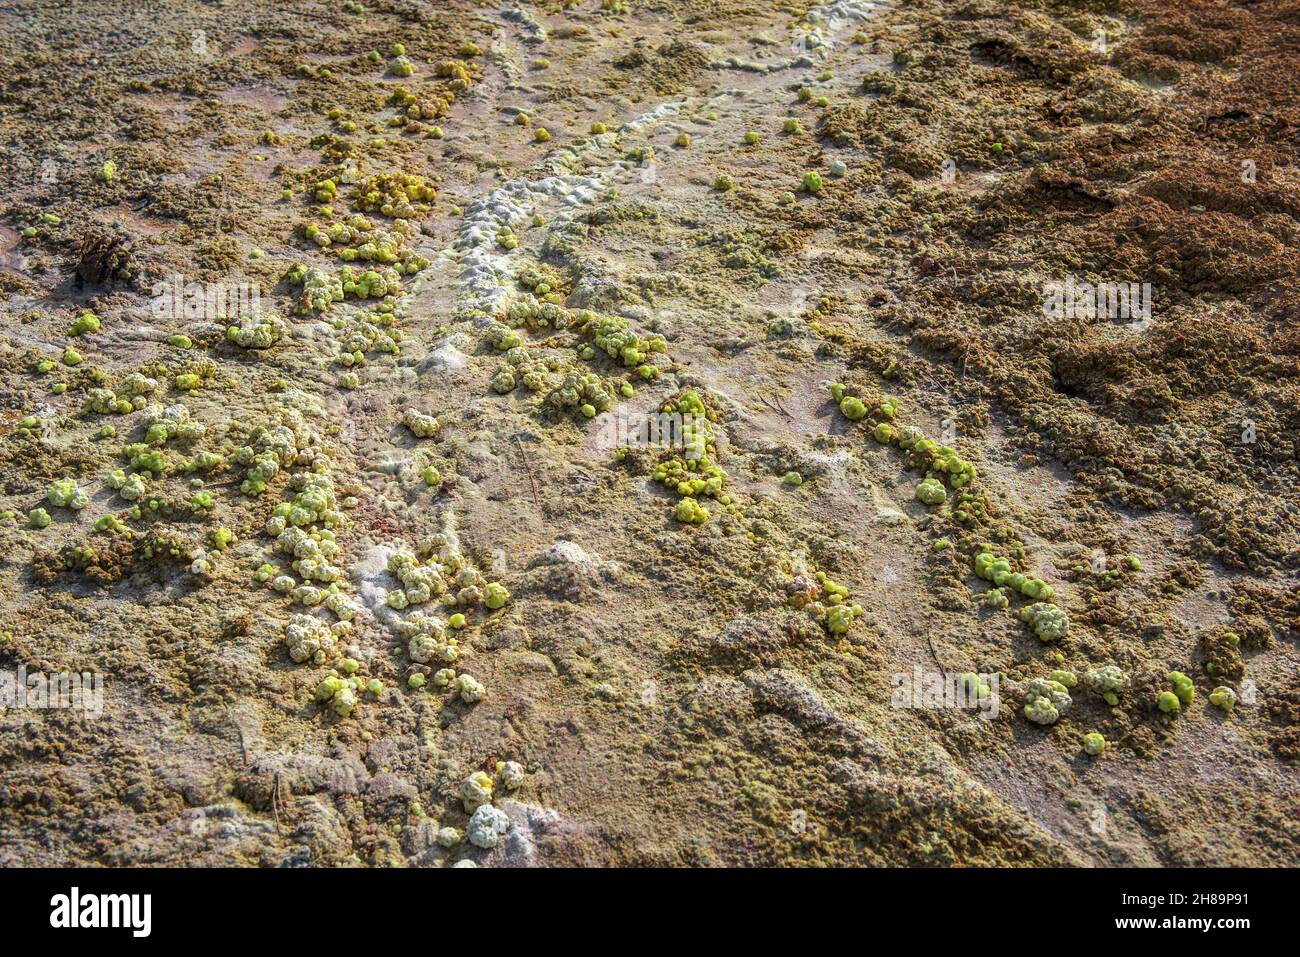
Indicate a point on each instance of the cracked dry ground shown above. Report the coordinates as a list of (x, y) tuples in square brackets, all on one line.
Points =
[(675, 693)]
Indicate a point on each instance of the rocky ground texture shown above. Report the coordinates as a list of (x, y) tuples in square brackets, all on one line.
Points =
[(366, 579)]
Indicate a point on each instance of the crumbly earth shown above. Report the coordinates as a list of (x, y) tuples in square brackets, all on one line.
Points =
[(674, 692)]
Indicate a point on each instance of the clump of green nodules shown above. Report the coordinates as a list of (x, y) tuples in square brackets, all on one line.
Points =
[(109, 524), (931, 492), (1223, 698), (853, 408), (1184, 693), (1046, 701), (255, 332), (339, 694), (65, 494), (86, 322), (998, 571), (495, 595), (691, 512), (1048, 622), (1107, 682)]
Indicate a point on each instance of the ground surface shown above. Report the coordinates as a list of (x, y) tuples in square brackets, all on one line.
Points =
[(674, 693)]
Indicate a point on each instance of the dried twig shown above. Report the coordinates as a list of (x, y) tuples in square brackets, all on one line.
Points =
[(528, 466), (275, 801), (776, 407), (243, 742)]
